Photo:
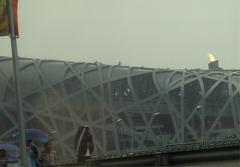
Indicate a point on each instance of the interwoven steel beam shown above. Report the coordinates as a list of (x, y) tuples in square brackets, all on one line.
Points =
[(128, 109)]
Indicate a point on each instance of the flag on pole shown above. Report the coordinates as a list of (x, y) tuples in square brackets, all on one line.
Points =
[(9, 26), (4, 20)]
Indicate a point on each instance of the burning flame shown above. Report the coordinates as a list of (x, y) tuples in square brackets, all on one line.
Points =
[(211, 57)]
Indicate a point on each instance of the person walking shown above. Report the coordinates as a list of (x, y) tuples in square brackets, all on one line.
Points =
[(32, 153), (3, 159), (48, 155)]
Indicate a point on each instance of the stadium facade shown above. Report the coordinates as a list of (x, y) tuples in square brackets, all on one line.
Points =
[(127, 109)]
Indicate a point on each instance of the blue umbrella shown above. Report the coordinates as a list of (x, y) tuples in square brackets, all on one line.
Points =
[(11, 150), (9, 147), (35, 135)]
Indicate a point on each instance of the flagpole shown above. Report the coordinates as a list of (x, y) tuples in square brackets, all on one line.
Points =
[(20, 115)]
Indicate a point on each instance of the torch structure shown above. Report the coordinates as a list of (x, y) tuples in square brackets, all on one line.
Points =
[(213, 65)]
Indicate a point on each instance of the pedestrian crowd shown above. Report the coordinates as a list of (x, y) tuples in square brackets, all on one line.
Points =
[(47, 157)]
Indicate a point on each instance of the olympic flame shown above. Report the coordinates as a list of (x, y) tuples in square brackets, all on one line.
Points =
[(211, 57)]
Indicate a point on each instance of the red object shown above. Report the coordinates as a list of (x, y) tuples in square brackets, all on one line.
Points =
[(4, 20)]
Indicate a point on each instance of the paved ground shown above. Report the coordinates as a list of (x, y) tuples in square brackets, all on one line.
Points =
[(232, 163)]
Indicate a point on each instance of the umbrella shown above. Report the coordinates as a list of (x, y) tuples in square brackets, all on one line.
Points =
[(35, 135), (11, 150), (9, 147)]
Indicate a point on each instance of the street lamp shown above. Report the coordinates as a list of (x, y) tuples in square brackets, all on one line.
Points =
[(199, 114), (53, 132), (158, 124), (155, 114), (198, 107), (118, 121)]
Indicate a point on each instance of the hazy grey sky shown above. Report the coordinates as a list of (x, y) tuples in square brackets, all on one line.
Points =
[(149, 33)]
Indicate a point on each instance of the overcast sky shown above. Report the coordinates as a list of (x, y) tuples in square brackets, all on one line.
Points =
[(149, 33)]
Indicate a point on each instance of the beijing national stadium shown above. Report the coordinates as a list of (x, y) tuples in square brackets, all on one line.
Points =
[(127, 109)]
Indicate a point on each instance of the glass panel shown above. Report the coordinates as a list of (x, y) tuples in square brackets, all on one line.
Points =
[(63, 127), (143, 85), (217, 99), (94, 107), (35, 100), (77, 103), (5, 123), (51, 96), (110, 141), (92, 77), (60, 110), (175, 97), (9, 94), (208, 83), (72, 85), (192, 96), (121, 94)]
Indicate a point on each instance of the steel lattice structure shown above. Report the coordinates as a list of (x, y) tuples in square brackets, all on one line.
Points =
[(128, 109)]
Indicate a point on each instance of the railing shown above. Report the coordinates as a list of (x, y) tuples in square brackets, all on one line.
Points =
[(169, 148)]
